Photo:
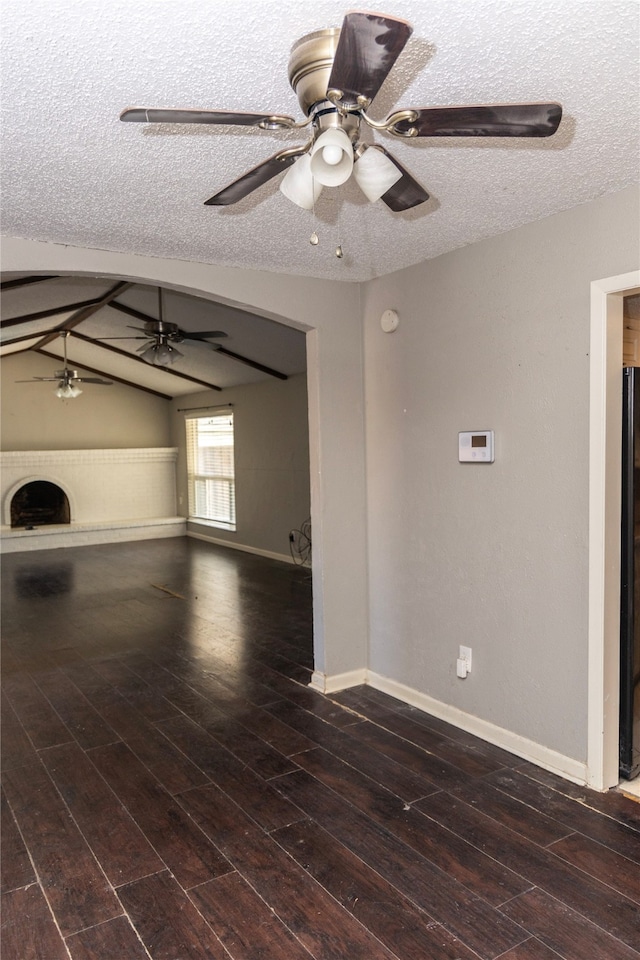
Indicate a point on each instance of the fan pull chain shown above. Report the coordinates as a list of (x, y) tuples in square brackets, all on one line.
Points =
[(314, 240)]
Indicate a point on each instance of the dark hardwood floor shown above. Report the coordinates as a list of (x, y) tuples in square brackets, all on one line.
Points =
[(173, 789)]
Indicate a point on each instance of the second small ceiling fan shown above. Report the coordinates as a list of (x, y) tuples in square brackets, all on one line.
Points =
[(68, 379), (337, 74)]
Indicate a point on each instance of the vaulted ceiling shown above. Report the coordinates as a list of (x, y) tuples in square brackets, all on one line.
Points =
[(72, 173), (105, 321)]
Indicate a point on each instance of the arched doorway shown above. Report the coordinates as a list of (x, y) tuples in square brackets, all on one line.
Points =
[(330, 315)]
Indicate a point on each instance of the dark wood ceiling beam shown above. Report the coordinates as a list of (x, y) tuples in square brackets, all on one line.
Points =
[(130, 312), (25, 336), (88, 311), (23, 282), (251, 363), (42, 314), (108, 376), (132, 356)]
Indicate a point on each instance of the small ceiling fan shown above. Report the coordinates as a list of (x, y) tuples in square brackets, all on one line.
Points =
[(68, 378), (160, 334), (336, 74)]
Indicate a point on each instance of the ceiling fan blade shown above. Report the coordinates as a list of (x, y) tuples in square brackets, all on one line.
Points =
[(204, 335), (104, 383), (368, 47), (406, 192), (497, 120), (266, 121), (256, 177), (120, 338), (42, 379)]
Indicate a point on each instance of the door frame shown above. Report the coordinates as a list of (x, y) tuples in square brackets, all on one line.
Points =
[(605, 472)]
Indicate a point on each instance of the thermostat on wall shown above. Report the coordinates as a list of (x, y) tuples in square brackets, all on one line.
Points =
[(476, 446)]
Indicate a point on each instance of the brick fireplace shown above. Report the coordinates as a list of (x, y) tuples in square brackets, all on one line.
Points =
[(56, 498)]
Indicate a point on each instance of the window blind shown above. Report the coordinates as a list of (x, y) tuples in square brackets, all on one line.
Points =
[(210, 468)]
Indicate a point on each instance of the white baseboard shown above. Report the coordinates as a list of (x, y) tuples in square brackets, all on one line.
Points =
[(339, 681), (283, 557), (529, 750), (535, 753)]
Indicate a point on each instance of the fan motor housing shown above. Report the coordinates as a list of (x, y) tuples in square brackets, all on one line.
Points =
[(310, 66), (162, 328)]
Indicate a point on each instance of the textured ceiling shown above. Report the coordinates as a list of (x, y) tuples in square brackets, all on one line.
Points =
[(72, 173)]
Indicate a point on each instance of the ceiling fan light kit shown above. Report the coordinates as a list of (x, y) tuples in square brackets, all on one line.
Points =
[(67, 391), (161, 354), (374, 173), (299, 185), (331, 158), (336, 75)]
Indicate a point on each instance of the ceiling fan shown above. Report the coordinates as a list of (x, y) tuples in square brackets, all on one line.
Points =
[(160, 334), (336, 74), (68, 378)]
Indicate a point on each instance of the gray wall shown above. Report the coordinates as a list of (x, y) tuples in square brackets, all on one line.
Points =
[(492, 336), (271, 461), (101, 418)]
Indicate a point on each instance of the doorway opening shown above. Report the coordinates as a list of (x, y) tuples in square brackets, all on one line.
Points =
[(630, 559), (605, 505)]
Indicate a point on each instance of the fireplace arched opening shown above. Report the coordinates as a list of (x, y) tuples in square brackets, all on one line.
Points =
[(39, 503)]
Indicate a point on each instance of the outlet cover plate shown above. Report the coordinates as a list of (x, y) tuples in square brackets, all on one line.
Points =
[(465, 654)]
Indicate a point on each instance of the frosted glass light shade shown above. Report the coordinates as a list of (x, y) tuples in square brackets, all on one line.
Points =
[(375, 173), (161, 355), (299, 185), (332, 158), (68, 391)]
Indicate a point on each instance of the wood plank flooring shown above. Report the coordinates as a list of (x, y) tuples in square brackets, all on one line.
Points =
[(173, 789)]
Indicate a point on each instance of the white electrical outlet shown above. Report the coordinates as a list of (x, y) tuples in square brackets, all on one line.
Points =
[(463, 663)]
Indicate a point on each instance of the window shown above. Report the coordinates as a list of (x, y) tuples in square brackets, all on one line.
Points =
[(210, 469)]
